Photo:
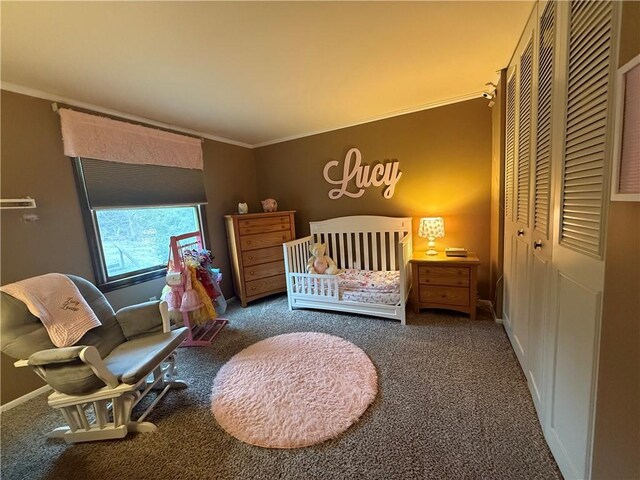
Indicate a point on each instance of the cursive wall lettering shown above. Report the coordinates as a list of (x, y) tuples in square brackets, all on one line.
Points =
[(364, 175)]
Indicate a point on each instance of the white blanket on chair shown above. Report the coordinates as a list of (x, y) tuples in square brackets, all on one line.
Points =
[(59, 305)]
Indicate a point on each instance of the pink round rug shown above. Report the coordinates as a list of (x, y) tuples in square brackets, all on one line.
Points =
[(293, 390)]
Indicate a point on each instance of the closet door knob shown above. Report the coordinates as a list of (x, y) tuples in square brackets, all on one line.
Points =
[(537, 244), (521, 232)]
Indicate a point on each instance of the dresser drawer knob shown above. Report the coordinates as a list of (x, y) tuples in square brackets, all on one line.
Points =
[(252, 272), (250, 257), (253, 288)]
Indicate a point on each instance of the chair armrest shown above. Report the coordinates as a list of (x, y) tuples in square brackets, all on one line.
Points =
[(140, 319), (55, 355), (86, 354)]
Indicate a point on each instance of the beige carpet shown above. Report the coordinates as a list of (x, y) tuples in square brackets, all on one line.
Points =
[(293, 390)]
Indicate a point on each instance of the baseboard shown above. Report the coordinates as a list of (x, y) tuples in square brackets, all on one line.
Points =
[(24, 398), (489, 306)]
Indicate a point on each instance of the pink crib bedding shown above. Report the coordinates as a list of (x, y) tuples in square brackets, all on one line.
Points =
[(369, 286)]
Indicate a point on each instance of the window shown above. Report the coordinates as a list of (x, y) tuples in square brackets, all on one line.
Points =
[(136, 240), (131, 212)]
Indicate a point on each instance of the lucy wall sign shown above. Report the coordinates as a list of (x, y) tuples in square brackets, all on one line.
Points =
[(387, 174)]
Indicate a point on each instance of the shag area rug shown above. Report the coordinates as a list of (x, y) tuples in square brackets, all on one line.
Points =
[(293, 390)]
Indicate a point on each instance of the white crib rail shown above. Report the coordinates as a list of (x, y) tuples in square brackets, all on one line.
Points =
[(363, 242), (405, 250), (296, 255)]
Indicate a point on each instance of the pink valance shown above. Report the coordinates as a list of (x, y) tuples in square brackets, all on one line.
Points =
[(91, 136)]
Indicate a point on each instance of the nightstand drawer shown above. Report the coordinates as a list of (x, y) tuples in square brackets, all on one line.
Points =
[(444, 295), (453, 276)]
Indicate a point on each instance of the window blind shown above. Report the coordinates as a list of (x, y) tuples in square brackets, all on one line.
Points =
[(114, 184), (543, 128), (524, 134), (586, 125)]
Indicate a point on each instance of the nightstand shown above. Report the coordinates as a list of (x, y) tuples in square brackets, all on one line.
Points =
[(445, 282)]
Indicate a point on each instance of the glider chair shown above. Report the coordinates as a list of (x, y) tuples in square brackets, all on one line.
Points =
[(98, 381)]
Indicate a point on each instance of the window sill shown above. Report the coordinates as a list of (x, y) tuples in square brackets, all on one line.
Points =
[(130, 281)]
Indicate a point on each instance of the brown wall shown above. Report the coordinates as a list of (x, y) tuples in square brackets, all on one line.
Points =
[(498, 122), (33, 164), (616, 450), (445, 159)]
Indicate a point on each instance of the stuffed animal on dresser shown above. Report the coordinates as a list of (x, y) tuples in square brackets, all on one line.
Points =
[(269, 205), (319, 262)]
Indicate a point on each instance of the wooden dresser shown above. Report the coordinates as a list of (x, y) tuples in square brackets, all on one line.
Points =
[(445, 282), (256, 254)]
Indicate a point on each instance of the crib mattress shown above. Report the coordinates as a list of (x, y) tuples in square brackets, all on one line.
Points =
[(367, 286)]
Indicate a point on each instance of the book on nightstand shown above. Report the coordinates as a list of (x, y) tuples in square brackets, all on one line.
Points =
[(455, 252)]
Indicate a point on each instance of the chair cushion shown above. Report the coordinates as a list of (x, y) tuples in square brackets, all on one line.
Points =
[(132, 361), (140, 319)]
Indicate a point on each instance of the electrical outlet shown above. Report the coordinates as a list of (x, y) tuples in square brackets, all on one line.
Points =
[(152, 298)]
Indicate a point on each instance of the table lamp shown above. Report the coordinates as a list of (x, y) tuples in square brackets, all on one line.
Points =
[(432, 228)]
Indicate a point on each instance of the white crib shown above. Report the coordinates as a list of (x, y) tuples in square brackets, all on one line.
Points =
[(361, 242)]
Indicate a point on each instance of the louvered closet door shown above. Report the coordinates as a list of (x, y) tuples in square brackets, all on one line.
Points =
[(509, 194), (583, 121), (540, 247), (519, 148)]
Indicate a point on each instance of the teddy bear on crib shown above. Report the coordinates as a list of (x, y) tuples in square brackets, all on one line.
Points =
[(319, 262)]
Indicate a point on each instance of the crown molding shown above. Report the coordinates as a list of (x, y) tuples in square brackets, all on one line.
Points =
[(12, 87), (428, 106)]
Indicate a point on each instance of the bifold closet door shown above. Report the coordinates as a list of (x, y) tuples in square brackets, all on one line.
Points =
[(520, 88), (539, 247), (528, 250), (583, 120)]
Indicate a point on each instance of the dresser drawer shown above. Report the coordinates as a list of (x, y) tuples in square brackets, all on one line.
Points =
[(453, 276), (248, 226), (256, 287), (263, 270), (268, 227), (264, 255), (262, 240), (444, 295)]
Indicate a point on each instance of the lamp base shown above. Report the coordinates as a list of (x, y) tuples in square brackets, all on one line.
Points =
[(431, 246)]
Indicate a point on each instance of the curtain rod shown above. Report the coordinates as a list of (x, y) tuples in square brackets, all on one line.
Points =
[(56, 108)]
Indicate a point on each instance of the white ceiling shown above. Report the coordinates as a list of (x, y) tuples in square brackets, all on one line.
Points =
[(256, 72)]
